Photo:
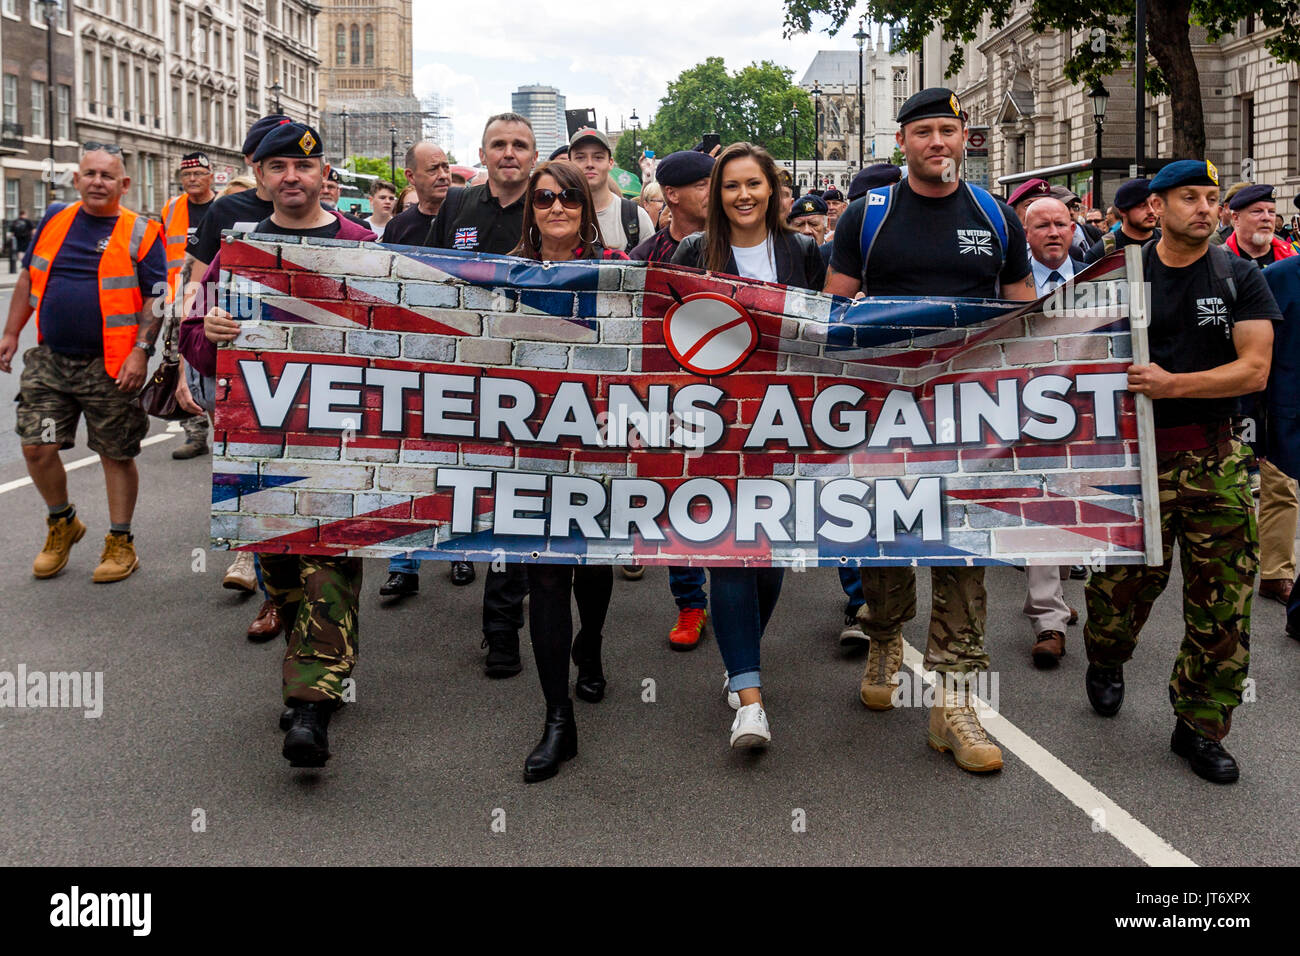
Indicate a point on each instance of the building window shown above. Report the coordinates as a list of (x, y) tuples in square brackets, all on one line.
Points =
[(221, 123), (370, 45), (63, 99), (176, 28), (356, 45), (11, 8), (1293, 124), (149, 183), (11, 98), (106, 83), (900, 89), (176, 112), (38, 109), (1247, 132), (123, 85), (340, 45), (205, 116), (13, 198), (88, 79), (234, 125), (150, 15), (38, 200), (1153, 130), (189, 113), (139, 94), (155, 107)]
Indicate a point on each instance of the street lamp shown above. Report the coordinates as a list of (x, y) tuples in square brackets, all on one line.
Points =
[(345, 137), (276, 90), (861, 38), (392, 151), (794, 111), (1099, 96), (817, 135), (51, 10)]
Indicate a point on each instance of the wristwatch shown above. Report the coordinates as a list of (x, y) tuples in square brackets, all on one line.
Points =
[(146, 347)]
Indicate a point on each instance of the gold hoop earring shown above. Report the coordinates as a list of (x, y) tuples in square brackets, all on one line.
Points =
[(595, 235)]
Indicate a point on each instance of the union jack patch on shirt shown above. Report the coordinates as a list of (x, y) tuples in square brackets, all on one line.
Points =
[(1212, 311), (466, 238)]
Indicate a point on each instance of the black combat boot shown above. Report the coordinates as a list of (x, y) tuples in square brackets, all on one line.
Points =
[(1105, 688), (1206, 757), (306, 744), (503, 654), (559, 743)]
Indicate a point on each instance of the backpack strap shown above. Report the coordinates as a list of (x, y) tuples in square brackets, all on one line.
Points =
[(451, 204), (992, 212), (876, 206), (1221, 269), (631, 222)]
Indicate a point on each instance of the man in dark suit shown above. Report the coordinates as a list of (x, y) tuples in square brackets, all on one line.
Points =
[(1283, 393)]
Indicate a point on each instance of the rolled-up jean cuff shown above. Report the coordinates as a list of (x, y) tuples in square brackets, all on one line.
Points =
[(744, 681)]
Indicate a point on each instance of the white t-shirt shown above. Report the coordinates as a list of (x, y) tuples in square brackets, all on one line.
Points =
[(756, 262), (611, 225), (377, 230)]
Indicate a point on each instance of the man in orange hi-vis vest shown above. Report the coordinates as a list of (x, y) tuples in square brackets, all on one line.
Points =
[(87, 361), (181, 217)]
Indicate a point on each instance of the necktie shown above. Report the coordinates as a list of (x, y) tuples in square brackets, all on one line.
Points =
[(1054, 279)]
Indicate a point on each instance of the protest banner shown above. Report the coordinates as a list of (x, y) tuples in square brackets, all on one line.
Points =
[(392, 400)]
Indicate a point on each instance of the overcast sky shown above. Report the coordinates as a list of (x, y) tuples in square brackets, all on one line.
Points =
[(608, 56)]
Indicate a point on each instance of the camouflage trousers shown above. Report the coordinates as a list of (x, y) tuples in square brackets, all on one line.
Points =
[(317, 600), (1206, 506), (956, 641), (196, 429)]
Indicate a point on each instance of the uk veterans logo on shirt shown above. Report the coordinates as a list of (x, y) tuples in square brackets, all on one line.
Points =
[(466, 238), (977, 242), (1212, 311)]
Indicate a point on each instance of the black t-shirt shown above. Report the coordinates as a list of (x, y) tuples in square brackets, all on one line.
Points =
[(1265, 260), (480, 223), (22, 230), (1122, 239), (931, 247), (327, 231), (408, 228), (1191, 327), (227, 212)]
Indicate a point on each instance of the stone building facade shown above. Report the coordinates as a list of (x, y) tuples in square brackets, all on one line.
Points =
[(1012, 83)]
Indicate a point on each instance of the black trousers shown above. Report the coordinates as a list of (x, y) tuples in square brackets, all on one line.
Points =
[(550, 621), (503, 600)]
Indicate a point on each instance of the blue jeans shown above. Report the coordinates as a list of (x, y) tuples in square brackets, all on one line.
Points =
[(851, 584), (743, 601), (687, 585), (407, 566)]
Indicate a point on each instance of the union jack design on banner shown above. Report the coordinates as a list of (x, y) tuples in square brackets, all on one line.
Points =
[(383, 400)]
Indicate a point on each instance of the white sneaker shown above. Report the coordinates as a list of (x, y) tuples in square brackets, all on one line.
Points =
[(241, 576), (733, 699), (750, 729)]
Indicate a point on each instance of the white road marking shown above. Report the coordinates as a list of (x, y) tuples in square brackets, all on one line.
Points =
[(1148, 846), (81, 463)]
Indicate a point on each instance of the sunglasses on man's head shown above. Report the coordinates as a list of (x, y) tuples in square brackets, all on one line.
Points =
[(569, 198), (106, 147)]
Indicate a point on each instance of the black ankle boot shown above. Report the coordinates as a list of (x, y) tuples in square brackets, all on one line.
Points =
[(307, 744), (1206, 757), (559, 743), (590, 685)]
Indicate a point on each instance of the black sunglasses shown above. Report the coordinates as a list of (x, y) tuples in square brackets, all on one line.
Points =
[(106, 147), (569, 198)]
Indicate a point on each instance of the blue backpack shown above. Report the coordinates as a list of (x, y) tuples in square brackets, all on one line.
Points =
[(880, 201)]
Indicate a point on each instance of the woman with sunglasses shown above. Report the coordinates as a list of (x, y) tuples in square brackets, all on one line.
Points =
[(746, 235), (559, 225)]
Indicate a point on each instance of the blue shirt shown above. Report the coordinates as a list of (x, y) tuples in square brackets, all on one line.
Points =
[(71, 320)]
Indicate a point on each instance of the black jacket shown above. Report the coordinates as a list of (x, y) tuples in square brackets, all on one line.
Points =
[(798, 260)]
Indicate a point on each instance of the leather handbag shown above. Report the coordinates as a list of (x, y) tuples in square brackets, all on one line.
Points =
[(158, 397)]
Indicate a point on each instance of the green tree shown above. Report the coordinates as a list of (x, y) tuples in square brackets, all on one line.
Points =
[(1106, 34), (755, 103), (380, 168)]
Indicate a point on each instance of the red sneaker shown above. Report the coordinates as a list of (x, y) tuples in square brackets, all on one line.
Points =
[(686, 632)]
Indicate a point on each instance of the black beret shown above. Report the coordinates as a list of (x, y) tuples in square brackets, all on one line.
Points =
[(1185, 172), (683, 168), (334, 176), (290, 139), (936, 101), (807, 206), (833, 195), (560, 151), (879, 174), (260, 129), (1132, 193), (1258, 192)]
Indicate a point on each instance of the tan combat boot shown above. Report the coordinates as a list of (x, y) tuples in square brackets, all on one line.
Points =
[(883, 660), (118, 560), (63, 534), (954, 726)]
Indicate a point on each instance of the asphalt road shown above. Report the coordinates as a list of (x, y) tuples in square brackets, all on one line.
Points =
[(432, 752)]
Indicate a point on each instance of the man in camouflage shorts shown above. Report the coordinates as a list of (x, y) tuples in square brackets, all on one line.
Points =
[(1211, 338)]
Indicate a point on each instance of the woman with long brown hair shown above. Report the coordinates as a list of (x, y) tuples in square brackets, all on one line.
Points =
[(560, 224), (746, 235)]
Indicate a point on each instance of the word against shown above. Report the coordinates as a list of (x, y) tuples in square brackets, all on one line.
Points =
[(74, 909), (75, 690)]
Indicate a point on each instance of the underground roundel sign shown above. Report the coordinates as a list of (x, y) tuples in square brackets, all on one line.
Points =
[(709, 334)]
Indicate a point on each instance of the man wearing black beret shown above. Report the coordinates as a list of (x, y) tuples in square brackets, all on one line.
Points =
[(1210, 331), (877, 174), (835, 206), (1253, 226), (1137, 221), (931, 234), (808, 215)]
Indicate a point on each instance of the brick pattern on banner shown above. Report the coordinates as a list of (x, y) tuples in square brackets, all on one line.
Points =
[(350, 465)]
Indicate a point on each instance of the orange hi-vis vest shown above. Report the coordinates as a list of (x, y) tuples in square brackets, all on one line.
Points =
[(120, 299), (176, 227)]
